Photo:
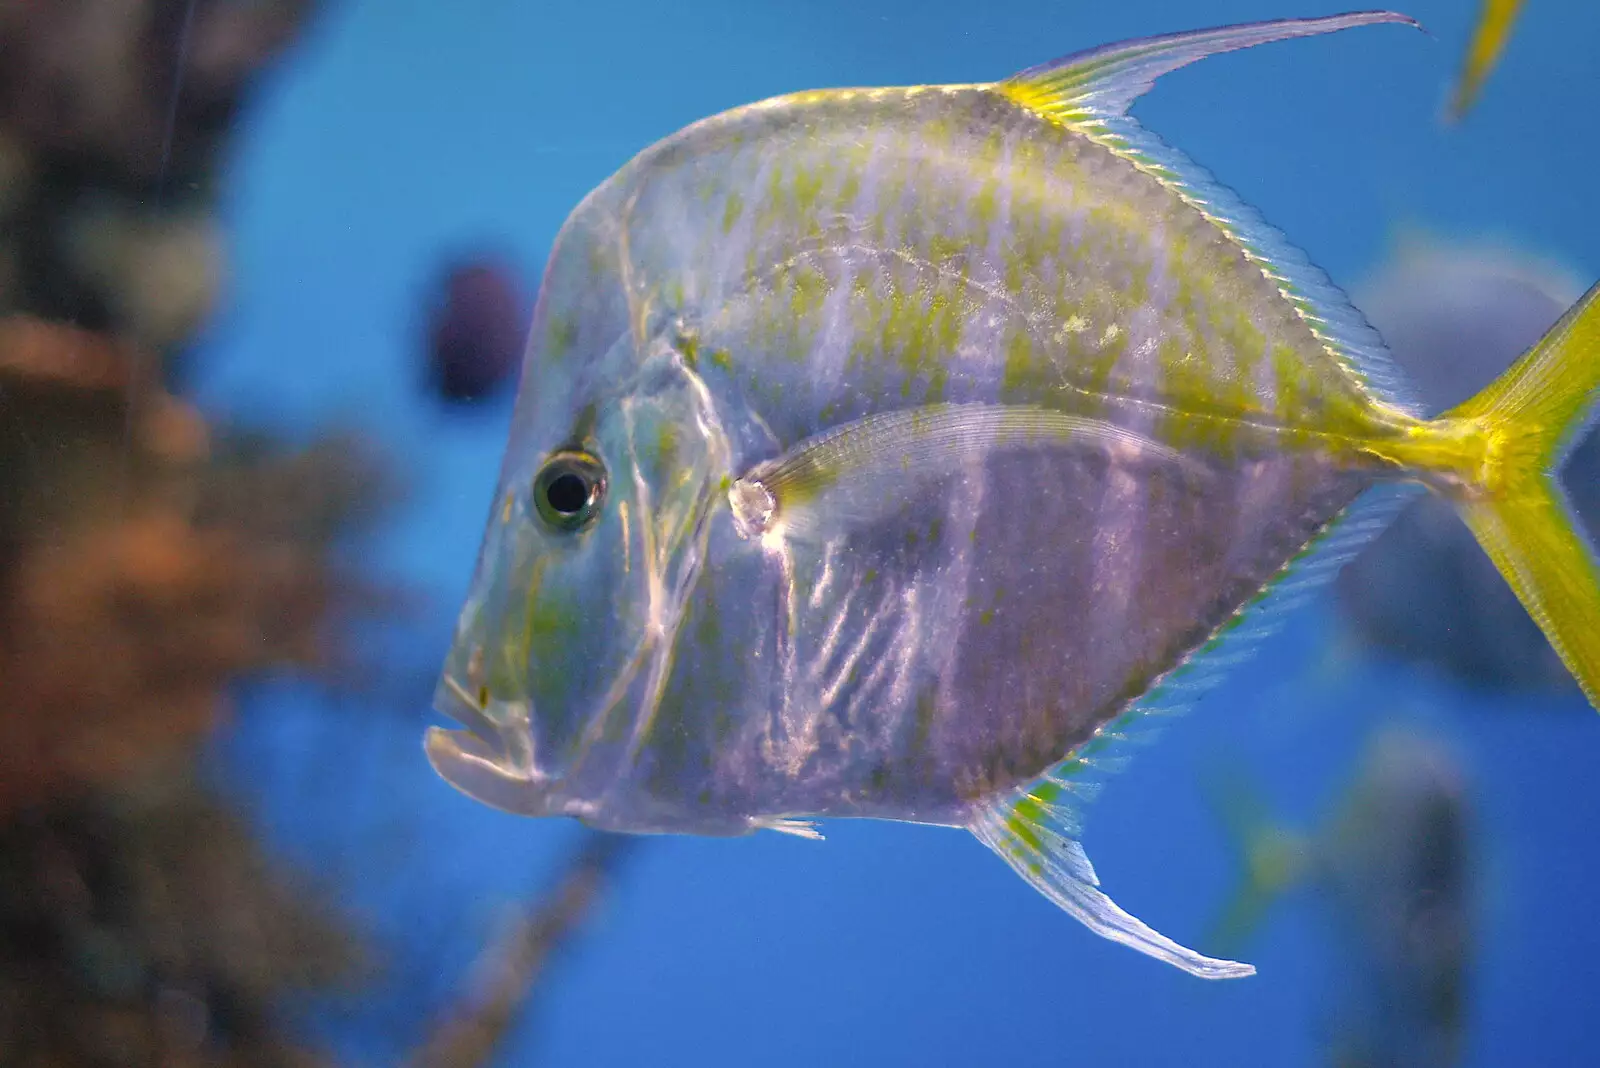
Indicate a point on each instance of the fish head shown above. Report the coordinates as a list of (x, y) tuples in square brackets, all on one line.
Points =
[(597, 531)]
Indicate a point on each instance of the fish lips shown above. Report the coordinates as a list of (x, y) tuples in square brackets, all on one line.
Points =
[(478, 761)]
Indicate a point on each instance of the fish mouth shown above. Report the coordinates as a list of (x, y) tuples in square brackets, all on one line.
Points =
[(466, 762), (452, 699), (481, 761)]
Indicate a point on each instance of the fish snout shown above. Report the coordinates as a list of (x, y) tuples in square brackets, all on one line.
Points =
[(492, 760), (480, 770)]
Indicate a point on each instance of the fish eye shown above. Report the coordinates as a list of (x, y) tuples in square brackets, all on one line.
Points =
[(569, 490)]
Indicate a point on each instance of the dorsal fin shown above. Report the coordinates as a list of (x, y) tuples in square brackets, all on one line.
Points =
[(1091, 91), (1101, 83)]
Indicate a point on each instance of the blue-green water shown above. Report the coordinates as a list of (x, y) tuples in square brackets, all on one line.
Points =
[(400, 133)]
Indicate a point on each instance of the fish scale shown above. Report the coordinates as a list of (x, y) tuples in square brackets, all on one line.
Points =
[(896, 453)]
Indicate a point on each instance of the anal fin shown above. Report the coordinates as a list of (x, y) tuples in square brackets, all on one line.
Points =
[(1031, 830), (1035, 827)]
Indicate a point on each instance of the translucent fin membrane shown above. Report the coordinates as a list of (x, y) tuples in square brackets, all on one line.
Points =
[(1104, 81), (862, 471), (1058, 869)]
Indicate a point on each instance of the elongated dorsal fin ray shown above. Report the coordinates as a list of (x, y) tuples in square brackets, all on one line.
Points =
[(1090, 92), (1036, 827), (1102, 82)]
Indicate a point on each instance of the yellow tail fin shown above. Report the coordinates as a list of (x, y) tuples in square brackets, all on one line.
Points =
[(1529, 419)]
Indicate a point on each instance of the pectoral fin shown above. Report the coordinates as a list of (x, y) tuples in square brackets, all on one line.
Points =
[(861, 472)]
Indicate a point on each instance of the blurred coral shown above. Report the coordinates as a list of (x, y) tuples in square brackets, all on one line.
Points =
[(145, 561), (1455, 316), (136, 90), (475, 338), (312, 495), (142, 568), (82, 423), (145, 573), (112, 117), (145, 928), (115, 645), (148, 560)]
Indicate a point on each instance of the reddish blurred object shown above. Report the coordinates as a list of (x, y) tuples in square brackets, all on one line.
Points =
[(145, 562), (116, 645), (83, 426), (141, 567), (475, 338)]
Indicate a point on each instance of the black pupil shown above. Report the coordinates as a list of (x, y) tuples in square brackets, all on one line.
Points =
[(567, 493)]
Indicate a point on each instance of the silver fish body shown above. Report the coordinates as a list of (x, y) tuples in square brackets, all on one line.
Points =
[(883, 453), (797, 266)]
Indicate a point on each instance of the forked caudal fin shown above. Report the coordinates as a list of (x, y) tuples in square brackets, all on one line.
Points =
[(1526, 422)]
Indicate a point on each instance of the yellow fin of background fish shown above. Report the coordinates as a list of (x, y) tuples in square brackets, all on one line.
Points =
[(1272, 858), (1483, 52), (1528, 420)]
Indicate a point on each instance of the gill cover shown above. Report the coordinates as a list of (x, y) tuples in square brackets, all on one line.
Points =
[(561, 651)]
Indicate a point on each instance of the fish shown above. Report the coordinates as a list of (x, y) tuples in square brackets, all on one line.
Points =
[(1396, 867), (1489, 36), (1455, 314), (474, 333), (903, 453)]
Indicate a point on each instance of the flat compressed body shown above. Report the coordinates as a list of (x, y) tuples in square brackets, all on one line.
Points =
[(828, 256), (893, 452)]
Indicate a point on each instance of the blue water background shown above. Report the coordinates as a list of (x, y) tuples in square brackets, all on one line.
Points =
[(402, 132)]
